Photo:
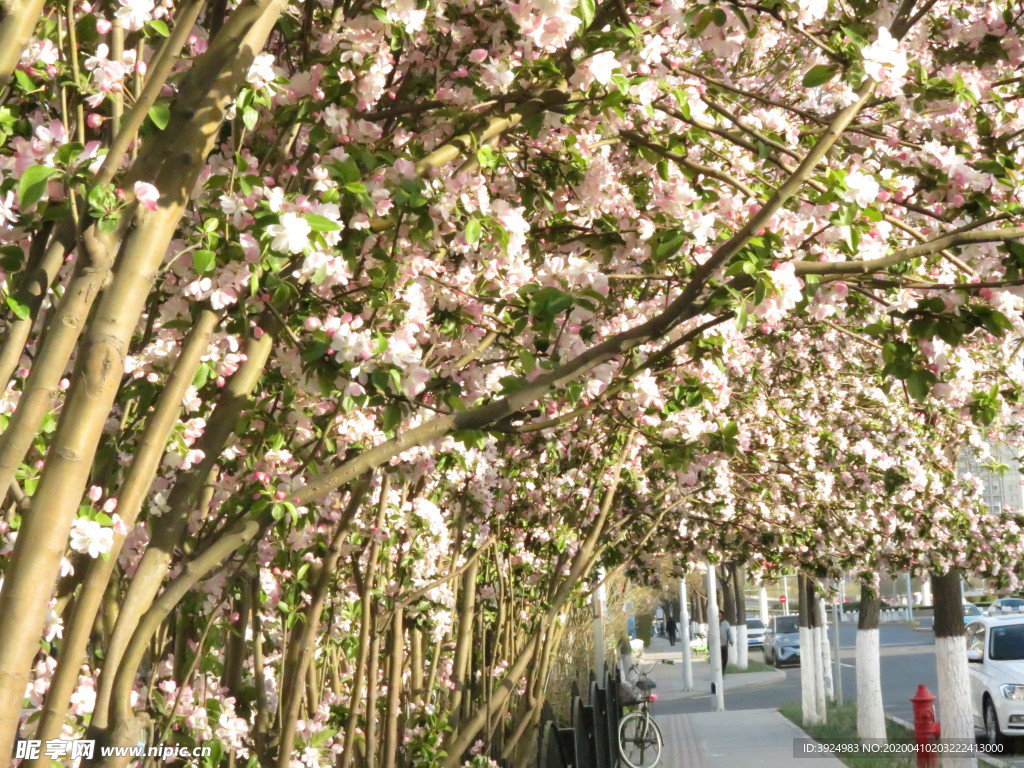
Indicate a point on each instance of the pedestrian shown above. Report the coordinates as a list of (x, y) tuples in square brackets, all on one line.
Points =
[(725, 638), (670, 627)]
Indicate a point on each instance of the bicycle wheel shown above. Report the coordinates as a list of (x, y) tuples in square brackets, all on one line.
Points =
[(639, 740)]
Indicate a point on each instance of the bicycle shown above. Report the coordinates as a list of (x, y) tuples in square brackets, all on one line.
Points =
[(640, 739)]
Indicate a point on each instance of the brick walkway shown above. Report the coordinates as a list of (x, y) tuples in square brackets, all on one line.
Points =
[(733, 739)]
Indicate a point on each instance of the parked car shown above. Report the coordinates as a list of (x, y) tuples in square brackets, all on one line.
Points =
[(971, 612), (1006, 605), (755, 632), (995, 655), (782, 641)]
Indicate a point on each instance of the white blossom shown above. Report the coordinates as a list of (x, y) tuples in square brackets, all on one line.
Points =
[(133, 14), (91, 538), (291, 235)]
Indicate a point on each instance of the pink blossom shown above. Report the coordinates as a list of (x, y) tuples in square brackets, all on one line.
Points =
[(147, 195)]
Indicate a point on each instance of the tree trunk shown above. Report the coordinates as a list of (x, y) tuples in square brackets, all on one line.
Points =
[(393, 710), (808, 686), (955, 708), (826, 652), (715, 644), (129, 502), (739, 581), (300, 655), (870, 708), (169, 530), (727, 606), (814, 603), (726, 579)]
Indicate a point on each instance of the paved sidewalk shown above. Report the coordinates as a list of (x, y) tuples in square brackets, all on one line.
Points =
[(670, 678), (738, 739)]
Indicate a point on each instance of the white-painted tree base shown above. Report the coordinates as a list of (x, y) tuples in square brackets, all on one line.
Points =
[(870, 706), (741, 647), (808, 700), (819, 673), (955, 711), (826, 655)]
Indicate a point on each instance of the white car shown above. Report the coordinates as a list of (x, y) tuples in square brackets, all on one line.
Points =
[(1005, 605), (995, 652), (755, 632)]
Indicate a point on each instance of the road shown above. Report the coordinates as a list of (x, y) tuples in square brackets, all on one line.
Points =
[(907, 659)]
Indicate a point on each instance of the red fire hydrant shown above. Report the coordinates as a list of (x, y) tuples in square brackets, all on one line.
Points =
[(926, 727)]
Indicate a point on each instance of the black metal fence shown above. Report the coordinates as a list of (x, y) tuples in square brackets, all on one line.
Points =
[(592, 739)]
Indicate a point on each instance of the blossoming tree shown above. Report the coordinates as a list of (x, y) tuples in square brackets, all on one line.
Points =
[(280, 278)]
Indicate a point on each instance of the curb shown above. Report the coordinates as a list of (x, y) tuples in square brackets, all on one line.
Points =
[(735, 682), (777, 676), (984, 759)]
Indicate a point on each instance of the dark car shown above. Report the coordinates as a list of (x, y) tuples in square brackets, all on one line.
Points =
[(782, 641)]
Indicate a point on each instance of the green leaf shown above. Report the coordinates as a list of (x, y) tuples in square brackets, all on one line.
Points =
[(158, 26), (11, 258), (20, 310), (472, 438), (919, 383), (819, 75), (102, 197), (719, 17), (33, 184), (549, 302), (314, 350), (392, 418), (249, 118), (741, 317), (669, 242), (68, 152), (473, 230), (160, 114), (25, 82), (488, 157), (321, 223), (702, 21), (204, 261), (585, 10), (348, 170), (527, 361)]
